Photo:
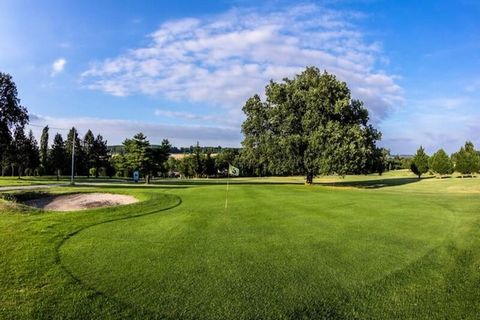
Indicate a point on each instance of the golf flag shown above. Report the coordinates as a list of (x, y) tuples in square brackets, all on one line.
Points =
[(233, 171)]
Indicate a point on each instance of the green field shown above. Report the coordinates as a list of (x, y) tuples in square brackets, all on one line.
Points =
[(357, 248)]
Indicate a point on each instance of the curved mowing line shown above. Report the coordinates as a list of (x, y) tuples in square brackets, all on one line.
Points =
[(58, 259)]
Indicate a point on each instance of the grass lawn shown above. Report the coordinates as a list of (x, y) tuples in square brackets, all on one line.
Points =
[(368, 247), (31, 180)]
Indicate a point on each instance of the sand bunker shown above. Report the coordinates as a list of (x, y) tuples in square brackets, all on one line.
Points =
[(80, 201)]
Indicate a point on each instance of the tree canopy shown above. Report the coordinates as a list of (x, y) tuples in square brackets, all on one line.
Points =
[(13, 116), (139, 155), (467, 160), (419, 164), (307, 125), (440, 163)]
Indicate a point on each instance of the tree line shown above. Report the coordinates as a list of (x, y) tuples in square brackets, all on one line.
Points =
[(465, 161), (309, 125)]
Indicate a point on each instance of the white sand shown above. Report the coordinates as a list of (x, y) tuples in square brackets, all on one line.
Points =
[(80, 201)]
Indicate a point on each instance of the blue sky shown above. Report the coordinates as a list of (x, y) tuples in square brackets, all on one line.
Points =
[(182, 70)]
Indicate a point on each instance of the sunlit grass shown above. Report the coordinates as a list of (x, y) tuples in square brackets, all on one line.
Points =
[(389, 247)]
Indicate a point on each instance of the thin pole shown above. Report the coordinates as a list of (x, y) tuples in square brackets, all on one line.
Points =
[(72, 182)]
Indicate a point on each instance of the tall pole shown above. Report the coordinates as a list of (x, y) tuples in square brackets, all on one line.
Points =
[(72, 182)]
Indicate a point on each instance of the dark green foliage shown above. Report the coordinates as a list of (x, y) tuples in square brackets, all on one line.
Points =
[(309, 126), (44, 149), (198, 167), (440, 163), (58, 156), (20, 151), (210, 169), (161, 155), (13, 117), (466, 160), (80, 161), (186, 166), (228, 155), (419, 164), (380, 161), (139, 155), (32, 155), (88, 142), (99, 156)]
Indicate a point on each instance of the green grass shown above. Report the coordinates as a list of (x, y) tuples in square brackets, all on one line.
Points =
[(31, 180), (369, 247)]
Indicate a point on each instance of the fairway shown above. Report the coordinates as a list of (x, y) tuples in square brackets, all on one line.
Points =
[(287, 251), (357, 248)]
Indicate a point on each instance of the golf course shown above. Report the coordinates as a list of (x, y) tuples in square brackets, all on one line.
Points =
[(362, 247)]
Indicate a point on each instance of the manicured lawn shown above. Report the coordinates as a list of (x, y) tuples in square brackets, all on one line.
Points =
[(357, 248), (29, 180)]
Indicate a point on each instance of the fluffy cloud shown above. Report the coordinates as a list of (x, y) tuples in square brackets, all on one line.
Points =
[(58, 66), (222, 60)]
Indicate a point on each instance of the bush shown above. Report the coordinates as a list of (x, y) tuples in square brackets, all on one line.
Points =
[(419, 164), (440, 163)]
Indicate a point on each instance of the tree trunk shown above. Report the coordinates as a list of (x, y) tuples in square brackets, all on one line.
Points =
[(309, 179), (147, 179), (58, 174), (96, 172)]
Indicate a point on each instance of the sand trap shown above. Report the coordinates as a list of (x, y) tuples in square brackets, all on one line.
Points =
[(80, 201)]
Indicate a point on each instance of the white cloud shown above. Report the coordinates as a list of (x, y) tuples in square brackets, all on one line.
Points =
[(433, 123), (232, 119), (116, 130), (58, 66), (222, 60)]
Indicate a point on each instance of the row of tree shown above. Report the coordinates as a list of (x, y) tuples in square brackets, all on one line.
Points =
[(23, 156), (138, 155), (201, 163), (466, 161)]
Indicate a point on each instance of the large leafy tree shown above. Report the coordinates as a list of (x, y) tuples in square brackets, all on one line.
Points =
[(137, 155), (419, 164), (440, 163), (308, 125), (466, 159), (58, 156), (13, 116)]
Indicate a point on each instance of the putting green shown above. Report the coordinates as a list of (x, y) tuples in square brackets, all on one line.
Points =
[(281, 251)]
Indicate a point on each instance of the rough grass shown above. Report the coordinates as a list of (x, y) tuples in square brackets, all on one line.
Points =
[(354, 248)]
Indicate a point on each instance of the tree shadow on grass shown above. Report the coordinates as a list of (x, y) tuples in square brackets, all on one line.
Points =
[(372, 184), (362, 184)]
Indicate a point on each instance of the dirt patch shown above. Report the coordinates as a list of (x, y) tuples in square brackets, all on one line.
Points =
[(80, 201)]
